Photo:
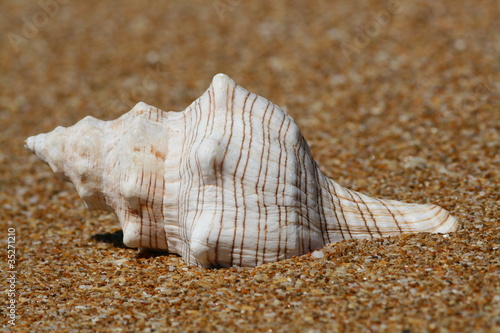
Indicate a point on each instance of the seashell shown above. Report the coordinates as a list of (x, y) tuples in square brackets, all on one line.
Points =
[(230, 181)]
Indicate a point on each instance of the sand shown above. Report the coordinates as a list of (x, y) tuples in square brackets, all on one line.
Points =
[(397, 101)]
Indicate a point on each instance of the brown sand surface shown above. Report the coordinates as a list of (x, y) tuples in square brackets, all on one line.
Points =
[(397, 101)]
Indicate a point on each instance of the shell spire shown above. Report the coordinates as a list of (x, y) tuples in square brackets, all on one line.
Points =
[(230, 181)]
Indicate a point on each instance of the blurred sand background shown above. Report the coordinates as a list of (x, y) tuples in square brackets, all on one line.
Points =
[(397, 100)]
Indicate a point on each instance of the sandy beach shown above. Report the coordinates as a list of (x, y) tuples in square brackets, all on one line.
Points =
[(398, 100)]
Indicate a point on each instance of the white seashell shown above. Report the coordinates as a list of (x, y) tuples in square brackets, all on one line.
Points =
[(230, 181)]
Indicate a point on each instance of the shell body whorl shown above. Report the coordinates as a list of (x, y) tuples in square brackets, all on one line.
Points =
[(230, 181)]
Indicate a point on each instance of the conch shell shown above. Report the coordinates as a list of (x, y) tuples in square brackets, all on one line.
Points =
[(230, 181)]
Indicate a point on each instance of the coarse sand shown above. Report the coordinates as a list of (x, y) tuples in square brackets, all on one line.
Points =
[(397, 100)]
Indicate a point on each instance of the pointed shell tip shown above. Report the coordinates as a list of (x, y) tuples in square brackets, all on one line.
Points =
[(140, 105), (29, 143), (221, 82)]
